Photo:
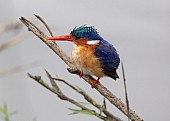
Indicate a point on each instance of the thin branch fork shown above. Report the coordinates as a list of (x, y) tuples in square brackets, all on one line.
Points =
[(56, 90), (89, 79), (90, 100)]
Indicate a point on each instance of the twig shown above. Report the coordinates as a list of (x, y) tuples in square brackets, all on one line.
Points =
[(90, 100), (56, 90), (51, 44), (45, 24), (104, 104), (126, 95), (99, 87), (62, 80)]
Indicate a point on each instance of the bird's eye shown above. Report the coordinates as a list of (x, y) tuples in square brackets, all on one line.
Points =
[(77, 37)]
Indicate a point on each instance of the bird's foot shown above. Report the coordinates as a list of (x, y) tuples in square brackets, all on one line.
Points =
[(94, 83), (81, 74)]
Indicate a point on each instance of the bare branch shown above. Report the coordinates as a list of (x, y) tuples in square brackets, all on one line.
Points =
[(90, 100), (126, 94), (51, 44), (99, 87), (56, 90), (45, 24)]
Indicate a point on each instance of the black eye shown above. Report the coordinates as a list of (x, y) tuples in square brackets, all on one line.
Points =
[(77, 37)]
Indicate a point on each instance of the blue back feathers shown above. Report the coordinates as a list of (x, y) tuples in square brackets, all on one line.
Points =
[(107, 55), (86, 32)]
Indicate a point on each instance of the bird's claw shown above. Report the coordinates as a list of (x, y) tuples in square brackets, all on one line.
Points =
[(94, 83), (81, 74)]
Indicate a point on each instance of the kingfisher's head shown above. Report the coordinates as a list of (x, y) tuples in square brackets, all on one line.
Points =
[(82, 34), (84, 31)]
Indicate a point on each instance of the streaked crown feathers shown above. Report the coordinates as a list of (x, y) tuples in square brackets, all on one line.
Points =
[(86, 32)]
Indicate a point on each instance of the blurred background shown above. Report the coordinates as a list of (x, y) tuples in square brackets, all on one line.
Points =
[(140, 30)]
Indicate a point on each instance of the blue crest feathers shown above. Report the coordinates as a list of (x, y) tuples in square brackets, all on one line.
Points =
[(86, 32)]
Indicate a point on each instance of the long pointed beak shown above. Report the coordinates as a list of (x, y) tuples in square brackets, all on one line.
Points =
[(61, 38)]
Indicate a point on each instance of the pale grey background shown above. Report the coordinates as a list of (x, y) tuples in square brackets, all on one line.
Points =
[(139, 29)]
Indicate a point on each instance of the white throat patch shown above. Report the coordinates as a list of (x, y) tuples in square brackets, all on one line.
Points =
[(93, 42)]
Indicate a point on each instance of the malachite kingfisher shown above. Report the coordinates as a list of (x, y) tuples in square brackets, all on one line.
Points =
[(91, 54)]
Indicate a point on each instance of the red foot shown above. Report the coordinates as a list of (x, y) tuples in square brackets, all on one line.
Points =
[(94, 83), (81, 74)]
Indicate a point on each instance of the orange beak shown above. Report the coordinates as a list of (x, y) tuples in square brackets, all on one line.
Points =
[(61, 38)]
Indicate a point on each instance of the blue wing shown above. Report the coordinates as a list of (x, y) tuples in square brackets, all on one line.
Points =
[(109, 58)]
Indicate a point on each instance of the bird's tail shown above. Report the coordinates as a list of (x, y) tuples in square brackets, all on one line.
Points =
[(116, 76), (112, 74)]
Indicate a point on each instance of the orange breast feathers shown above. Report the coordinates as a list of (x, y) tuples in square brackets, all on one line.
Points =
[(84, 59)]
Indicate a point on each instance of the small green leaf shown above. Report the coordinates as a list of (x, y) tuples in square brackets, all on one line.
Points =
[(78, 111), (1, 110), (5, 114)]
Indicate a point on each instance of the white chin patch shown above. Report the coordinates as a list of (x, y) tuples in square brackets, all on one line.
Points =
[(93, 42)]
